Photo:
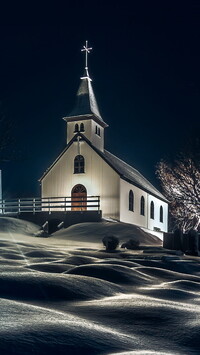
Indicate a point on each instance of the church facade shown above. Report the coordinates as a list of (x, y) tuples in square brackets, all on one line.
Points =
[(86, 169)]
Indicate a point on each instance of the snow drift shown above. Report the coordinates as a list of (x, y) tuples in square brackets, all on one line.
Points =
[(60, 295)]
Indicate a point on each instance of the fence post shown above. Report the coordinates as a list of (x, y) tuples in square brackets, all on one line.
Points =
[(49, 206), (19, 210), (33, 205)]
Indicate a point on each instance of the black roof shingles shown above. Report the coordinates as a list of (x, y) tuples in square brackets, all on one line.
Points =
[(86, 104)]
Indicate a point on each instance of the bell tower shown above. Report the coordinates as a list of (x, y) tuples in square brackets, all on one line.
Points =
[(85, 116)]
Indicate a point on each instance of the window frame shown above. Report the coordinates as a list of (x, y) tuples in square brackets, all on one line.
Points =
[(79, 164), (82, 127), (152, 210), (131, 201), (76, 128), (142, 206), (161, 214)]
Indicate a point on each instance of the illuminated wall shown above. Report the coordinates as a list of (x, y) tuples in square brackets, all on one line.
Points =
[(90, 127), (99, 178), (155, 223), (135, 216), (132, 216)]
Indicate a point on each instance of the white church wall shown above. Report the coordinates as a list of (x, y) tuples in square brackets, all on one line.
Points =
[(155, 224), (97, 139), (99, 178), (89, 132), (133, 217), (71, 127)]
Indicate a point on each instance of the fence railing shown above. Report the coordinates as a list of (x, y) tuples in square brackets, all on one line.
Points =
[(49, 204)]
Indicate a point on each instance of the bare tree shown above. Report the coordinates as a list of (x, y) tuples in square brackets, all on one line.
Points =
[(180, 181)]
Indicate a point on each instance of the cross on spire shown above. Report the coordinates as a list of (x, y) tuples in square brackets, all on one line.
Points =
[(86, 50)]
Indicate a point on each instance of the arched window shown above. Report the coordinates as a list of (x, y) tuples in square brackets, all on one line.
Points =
[(79, 164), (142, 206), (152, 210), (76, 128), (82, 129), (131, 201), (161, 214)]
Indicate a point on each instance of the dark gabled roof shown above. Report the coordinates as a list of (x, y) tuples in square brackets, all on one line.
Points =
[(86, 104), (125, 171), (131, 175)]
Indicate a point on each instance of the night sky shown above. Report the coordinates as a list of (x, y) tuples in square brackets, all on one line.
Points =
[(145, 67)]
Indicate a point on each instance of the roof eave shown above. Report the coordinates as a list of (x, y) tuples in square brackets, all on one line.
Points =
[(144, 189)]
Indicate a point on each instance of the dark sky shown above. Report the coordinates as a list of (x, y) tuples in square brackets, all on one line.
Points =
[(145, 67)]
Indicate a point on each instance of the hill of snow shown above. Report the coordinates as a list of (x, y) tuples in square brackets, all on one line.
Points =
[(94, 233), (66, 295)]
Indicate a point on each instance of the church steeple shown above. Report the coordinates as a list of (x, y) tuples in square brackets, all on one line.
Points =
[(86, 107), (86, 104)]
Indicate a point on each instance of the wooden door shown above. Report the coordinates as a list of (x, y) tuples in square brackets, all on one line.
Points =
[(79, 198)]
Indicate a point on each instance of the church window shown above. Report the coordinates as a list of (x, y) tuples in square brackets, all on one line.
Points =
[(99, 132), (142, 206), (96, 130), (79, 164), (161, 214), (76, 128), (152, 210), (82, 129), (131, 201)]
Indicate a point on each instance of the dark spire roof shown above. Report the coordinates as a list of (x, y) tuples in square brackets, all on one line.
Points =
[(86, 104), (85, 99)]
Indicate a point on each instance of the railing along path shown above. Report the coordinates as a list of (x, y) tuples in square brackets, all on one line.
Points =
[(49, 204)]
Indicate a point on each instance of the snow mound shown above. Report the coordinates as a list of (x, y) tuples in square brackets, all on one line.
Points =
[(15, 225), (41, 253), (38, 330), (114, 261), (50, 267), (47, 286), (113, 273), (56, 298), (169, 275), (80, 260), (94, 232)]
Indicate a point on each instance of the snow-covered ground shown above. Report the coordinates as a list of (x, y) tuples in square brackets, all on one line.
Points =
[(66, 295)]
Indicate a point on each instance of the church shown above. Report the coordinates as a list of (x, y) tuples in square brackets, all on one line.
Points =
[(85, 169)]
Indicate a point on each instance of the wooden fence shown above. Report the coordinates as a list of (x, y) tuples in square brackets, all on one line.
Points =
[(49, 204)]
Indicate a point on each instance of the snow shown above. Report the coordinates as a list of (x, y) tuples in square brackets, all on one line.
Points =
[(66, 295)]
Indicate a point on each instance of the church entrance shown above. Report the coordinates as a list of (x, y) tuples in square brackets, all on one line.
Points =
[(79, 198)]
